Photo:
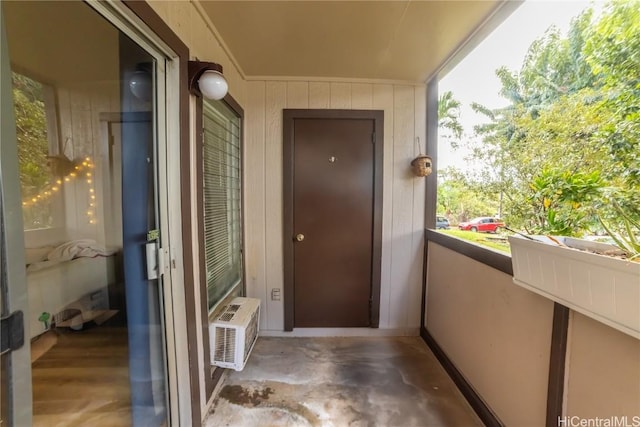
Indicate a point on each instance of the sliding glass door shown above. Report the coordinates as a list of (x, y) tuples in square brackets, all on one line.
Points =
[(83, 234)]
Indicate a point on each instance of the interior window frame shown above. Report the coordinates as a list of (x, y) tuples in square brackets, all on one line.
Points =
[(38, 237), (237, 288)]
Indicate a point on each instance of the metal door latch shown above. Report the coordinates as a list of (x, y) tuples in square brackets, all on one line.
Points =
[(155, 267)]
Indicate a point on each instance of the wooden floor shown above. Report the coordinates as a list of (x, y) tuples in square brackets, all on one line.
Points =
[(83, 380)]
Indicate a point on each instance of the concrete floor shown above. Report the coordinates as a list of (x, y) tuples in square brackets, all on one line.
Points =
[(390, 381)]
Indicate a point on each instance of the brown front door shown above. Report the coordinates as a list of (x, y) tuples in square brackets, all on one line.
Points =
[(333, 217)]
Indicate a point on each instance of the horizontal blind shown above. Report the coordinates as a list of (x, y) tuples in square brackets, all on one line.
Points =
[(222, 199)]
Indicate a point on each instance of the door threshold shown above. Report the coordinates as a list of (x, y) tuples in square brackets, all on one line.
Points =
[(343, 332)]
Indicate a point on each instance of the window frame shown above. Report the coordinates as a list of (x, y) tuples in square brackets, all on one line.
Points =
[(37, 237), (239, 287), (491, 258)]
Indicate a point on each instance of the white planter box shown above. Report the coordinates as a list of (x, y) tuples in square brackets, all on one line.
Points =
[(602, 287)]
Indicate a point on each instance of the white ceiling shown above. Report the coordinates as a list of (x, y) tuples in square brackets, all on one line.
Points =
[(394, 40)]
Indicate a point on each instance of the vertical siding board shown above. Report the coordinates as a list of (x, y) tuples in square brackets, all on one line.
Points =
[(417, 252), (340, 96), (276, 99), (82, 142), (254, 208), (79, 98), (319, 95), (297, 95), (100, 103), (402, 221), (383, 100), (65, 130), (64, 126), (361, 96)]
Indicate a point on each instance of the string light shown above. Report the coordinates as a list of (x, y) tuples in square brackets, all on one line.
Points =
[(86, 166), (91, 211)]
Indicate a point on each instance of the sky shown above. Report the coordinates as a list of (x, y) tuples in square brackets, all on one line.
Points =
[(474, 79)]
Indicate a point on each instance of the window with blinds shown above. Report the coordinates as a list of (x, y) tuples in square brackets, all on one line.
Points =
[(222, 199)]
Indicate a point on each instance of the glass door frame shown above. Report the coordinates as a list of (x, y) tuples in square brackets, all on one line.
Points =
[(168, 189), (18, 394)]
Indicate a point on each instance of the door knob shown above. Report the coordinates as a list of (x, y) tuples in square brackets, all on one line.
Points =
[(299, 237)]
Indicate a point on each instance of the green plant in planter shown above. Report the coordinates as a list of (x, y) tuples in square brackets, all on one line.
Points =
[(561, 201), (626, 239)]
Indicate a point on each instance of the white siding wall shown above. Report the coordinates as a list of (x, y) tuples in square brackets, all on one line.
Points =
[(403, 194), (83, 135)]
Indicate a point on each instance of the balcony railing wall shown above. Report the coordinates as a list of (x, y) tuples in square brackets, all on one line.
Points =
[(499, 337)]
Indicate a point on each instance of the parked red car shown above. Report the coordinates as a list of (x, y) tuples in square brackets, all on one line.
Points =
[(483, 224)]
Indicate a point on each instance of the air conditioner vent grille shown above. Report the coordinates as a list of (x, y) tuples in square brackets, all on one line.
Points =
[(226, 317), (234, 333), (225, 346)]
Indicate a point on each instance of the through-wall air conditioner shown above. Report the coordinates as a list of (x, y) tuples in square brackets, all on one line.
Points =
[(234, 332)]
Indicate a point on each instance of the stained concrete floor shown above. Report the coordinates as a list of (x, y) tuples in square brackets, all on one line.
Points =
[(387, 382)]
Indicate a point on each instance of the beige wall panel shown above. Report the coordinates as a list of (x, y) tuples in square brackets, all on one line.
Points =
[(361, 96), (81, 121), (319, 94), (297, 95), (417, 238), (254, 196), (603, 371), (340, 96), (204, 45), (497, 334), (237, 85), (162, 9), (79, 97), (402, 222), (276, 101), (401, 225), (383, 100), (179, 17), (83, 147), (64, 116), (101, 103)]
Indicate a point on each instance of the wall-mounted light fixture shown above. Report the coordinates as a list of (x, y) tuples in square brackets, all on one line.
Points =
[(206, 79), (141, 82)]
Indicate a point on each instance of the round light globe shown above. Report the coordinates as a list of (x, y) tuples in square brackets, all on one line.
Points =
[(213, 85), (141, 85)]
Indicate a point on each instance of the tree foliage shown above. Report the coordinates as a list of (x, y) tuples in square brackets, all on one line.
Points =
[(449, 117), (31, 131), (461, 199), (568, 142), (33, 150)]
